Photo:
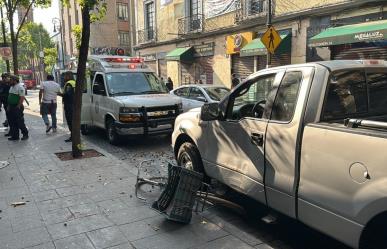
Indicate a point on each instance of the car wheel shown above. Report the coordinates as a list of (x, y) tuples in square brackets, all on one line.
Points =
[(189, 157), (112, 135), (85, 129)]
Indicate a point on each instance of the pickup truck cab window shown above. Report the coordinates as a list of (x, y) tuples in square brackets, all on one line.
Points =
[(287, 95), (377, 90), (346, 95), (250, 100)]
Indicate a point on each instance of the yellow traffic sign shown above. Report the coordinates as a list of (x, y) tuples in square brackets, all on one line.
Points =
[(271, 39)]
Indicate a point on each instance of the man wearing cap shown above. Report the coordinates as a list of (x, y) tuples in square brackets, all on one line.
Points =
[(15, 110)]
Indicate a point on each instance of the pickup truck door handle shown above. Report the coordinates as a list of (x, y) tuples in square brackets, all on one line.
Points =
[(257, 139)]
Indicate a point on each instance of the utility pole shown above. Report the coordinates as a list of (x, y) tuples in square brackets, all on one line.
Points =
[(4, 36), (268, 23)]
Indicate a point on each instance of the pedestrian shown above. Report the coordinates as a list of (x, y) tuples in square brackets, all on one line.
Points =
[(47, 100), (162, 79), (4, 90), (169, 84), (68, 100), (16, 98), (234, 81)]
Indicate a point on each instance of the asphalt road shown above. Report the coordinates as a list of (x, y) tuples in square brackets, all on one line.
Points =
[(286, 233)]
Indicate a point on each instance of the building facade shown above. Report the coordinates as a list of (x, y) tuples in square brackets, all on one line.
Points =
[(114, 32), (192, 40)]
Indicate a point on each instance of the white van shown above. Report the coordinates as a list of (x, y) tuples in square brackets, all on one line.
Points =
[(125, 97)]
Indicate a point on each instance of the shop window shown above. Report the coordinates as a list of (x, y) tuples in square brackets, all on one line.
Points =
[(256, 7), (122, 11)]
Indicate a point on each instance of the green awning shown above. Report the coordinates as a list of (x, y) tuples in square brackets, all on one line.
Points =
[(363, 32), (256, 47), (180, 54)]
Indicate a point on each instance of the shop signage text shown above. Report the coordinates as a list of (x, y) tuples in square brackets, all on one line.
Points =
[(377, 35), (149, 57), (206, 49), (236, 42)]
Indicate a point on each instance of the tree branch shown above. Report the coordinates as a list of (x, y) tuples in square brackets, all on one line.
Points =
[(24, 19)]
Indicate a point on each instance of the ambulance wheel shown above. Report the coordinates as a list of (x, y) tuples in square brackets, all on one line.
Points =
[(112, 135)]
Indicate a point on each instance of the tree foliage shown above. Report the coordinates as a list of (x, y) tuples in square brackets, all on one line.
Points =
[(50, 58), (11, 7), (33, 38)]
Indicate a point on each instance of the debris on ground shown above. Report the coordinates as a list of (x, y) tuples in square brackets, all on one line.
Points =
[(18, 203), (4, 164)]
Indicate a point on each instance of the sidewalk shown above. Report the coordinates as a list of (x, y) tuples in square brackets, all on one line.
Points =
[(90, 203)]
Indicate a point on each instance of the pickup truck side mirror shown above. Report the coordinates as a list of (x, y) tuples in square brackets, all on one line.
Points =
[(210, 111)]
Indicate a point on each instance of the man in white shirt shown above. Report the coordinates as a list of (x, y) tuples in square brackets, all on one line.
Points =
[(47, 99)]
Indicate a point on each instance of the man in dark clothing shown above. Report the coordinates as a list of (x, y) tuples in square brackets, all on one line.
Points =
[(234, 81), (4, 90), (68, 99), (169, 84), (15, 110)]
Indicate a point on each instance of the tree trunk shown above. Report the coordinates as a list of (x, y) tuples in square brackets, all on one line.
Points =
[(81, 76), (14, 47)]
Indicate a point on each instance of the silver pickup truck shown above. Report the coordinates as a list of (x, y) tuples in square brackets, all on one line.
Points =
[(306, 140)]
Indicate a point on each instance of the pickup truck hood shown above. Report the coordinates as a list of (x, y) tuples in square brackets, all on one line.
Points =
[(148, 100)]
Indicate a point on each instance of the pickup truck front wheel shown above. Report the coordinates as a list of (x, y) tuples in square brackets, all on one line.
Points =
[(112, 135), (189, 157)]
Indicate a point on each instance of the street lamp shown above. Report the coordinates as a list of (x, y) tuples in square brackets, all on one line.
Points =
[(58, 28)]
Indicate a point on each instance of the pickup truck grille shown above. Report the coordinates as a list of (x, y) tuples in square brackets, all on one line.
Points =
[(154, 113)]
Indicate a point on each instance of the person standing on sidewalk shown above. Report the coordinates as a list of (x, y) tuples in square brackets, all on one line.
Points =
[(15, 110), (47, 100), (4, 90), (68, 100)]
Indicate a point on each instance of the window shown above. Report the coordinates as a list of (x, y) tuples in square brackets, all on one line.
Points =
[(123, 38), (197, 94), (182, 92), (195, 18), (286, 99), (99, 86), (216, 93), (250, 100), (149, 20), (377, 89), (122, 11), (256, 7), (347, 95), (134, 83)]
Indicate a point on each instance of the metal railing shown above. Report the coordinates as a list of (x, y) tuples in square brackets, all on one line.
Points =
[(191, 24), (146, 35), (248, 9)]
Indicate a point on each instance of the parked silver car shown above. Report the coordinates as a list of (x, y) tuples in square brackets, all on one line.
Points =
[(194, 96)]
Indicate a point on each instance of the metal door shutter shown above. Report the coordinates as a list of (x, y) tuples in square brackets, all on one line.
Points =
[(347, 52), (190, 73), (163, 69), (281, 60), (242, 66)]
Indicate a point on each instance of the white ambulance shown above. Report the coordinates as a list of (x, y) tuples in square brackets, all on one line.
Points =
[(125, 97)]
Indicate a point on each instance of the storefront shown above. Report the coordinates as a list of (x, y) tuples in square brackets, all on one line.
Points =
[(162, 65), (352, 42), (196, 63)]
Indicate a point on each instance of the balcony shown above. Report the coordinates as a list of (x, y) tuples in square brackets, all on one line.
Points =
[(250, 9), (146, 35), (190, 24)]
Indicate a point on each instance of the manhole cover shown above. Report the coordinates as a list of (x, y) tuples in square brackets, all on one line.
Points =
[(68, 155)]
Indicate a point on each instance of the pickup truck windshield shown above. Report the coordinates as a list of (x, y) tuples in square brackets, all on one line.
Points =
[(129, 83)]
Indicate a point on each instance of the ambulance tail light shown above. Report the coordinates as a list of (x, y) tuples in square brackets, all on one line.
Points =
[(132, 66), (136, 60)]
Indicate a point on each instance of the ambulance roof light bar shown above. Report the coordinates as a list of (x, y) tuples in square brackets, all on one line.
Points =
[(124, 60)]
